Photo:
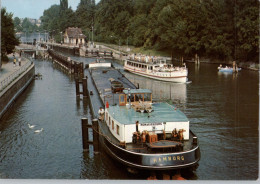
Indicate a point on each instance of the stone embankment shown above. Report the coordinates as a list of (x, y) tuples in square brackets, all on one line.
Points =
[(14, 78)]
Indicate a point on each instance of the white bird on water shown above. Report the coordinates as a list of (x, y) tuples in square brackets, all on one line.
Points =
[(31, 126), (38, 131)]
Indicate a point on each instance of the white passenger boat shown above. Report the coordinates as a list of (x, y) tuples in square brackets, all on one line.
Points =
[(158, 70)]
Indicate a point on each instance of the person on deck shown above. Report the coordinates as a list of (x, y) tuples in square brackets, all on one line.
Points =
[(101, 113)]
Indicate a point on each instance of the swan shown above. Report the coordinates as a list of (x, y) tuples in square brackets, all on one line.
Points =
[(31, 126), (38, 131)]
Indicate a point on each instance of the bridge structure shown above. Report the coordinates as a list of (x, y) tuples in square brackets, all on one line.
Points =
[(30, 49)]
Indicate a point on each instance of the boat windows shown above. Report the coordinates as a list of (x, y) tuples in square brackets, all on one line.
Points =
[(113, 125), (132, 98), (138, 97), (106, 116), (117, 129), (109, 121), (147, 97)]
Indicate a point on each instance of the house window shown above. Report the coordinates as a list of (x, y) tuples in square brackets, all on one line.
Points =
[(112, 125), (117, 129)]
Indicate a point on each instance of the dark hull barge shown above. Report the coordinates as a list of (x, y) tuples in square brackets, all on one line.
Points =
[(138, 132)]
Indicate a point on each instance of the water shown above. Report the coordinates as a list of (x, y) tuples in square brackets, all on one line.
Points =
[(30, 37), (222, 108)]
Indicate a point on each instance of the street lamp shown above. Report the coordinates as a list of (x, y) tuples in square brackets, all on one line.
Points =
[(39, 35), (61, 38), (92, 34), (45, 36)]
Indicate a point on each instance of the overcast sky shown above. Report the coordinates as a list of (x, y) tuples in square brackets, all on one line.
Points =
[(32, 8)]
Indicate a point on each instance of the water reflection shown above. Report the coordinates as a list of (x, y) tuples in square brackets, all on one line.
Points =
[(160, 90)]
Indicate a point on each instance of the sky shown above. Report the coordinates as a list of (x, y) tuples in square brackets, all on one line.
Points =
[(32, 8)]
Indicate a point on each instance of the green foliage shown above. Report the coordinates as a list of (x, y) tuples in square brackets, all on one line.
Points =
[(8, 39), (85, 15), (28, 26), (222, 29), (50, 18), (63, 5), (17, 25), (55, 20), (25, 26)]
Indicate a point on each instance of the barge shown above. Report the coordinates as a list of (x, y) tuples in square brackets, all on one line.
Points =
[(138, 132)]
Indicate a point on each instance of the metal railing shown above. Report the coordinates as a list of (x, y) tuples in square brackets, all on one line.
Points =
[(9, 79)]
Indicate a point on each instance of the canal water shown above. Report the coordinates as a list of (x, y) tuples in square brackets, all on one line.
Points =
[(222, 109)]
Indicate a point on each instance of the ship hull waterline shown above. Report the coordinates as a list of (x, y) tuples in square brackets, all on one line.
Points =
[(141, 161), (177, 79)]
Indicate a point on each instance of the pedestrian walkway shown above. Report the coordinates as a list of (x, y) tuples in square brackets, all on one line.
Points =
[(9, 71)]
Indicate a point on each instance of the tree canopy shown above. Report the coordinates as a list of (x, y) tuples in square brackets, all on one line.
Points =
[(223, 29), (8, 39)]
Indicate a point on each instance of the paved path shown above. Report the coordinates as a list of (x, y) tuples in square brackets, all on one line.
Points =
[(8, 68)]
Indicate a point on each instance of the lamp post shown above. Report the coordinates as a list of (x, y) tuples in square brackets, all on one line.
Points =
[(92, 34), (45, 36), (61, 38), (39, 36), (127, 44), (89, 39), (26, 36)]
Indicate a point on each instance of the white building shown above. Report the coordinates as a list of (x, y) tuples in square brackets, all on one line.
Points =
[(74, 36)]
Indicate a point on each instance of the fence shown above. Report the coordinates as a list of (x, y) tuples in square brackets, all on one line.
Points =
[(9, 79)]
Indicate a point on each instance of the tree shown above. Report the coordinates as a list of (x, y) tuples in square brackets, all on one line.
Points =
[(8, 39), (246, 26), (17, 24), (85, 15), (63, 5), (50, 18)]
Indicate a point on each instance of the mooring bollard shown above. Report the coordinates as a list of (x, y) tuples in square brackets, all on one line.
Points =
[(85, 140), (95, 128), (85, 87)]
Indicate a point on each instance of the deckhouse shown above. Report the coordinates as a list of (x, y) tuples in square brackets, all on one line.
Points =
[(136, 113)]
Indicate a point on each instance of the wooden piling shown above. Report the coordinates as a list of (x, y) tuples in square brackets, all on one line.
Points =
[(85, 87), (95, 128), (85, 139), (75, 68), (82, 68), (77, 86)]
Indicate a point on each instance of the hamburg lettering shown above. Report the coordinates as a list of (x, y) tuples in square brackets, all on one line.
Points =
[(167, 159)]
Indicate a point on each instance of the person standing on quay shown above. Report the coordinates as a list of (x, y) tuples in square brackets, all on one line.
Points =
[(19, 60), (14, 61)]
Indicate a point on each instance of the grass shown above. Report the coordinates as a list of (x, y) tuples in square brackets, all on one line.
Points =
[(137, 50), (150, 52)]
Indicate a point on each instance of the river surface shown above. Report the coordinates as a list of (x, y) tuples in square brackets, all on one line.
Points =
[(222, 108)]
